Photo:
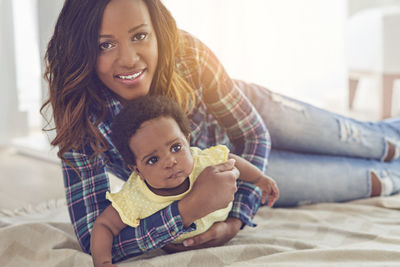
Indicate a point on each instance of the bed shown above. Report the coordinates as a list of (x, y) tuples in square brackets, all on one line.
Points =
[(358, 233)]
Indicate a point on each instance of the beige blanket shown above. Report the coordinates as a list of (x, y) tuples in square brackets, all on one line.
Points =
[(358, 233)]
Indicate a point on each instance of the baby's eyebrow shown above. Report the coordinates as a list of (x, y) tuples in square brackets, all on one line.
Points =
[(172, 141), (148, 155), (168, 143)]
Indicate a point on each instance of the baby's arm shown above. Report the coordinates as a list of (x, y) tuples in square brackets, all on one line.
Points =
[(106, 226), (250, 173)]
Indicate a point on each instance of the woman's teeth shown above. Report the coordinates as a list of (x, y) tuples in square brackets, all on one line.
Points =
[(130, 77)]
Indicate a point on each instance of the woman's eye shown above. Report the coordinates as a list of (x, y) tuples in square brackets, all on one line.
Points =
[(176, 148), (152, 160), (139, 36), (105, 46)]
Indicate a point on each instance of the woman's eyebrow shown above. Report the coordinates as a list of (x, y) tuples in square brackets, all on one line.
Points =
[(137, 27), (131, 30)]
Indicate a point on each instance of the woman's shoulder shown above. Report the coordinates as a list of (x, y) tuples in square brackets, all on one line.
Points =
[(191, 46), (187, 38)]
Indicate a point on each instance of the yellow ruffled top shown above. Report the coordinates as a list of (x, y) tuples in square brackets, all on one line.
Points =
[(136, 201)]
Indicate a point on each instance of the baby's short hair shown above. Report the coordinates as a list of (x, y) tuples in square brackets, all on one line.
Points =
[(138, 111)]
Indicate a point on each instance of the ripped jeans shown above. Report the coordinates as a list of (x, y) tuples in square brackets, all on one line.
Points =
[(319, 156)]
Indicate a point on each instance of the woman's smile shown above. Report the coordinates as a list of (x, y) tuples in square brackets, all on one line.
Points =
[(131, 78)]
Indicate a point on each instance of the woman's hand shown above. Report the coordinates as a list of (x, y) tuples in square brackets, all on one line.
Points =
[(217, 235), (214, 189)]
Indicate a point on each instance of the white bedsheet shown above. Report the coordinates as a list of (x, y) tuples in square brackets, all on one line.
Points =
[(359, 233)]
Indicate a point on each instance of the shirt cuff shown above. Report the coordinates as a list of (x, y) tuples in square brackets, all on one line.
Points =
[(246, 203), (170, 227)]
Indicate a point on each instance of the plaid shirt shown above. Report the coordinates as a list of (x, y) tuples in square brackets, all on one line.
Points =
[(222, 115)]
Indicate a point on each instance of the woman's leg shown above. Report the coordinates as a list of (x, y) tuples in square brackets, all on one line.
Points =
[(299, 127), (310, 178)]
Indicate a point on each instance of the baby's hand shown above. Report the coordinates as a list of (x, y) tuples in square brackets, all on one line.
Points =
[(268, 188)]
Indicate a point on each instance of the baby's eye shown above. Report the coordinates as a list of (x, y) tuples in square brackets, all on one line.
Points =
[(176, 148), (106, 46), (139, 36), (152, 160)]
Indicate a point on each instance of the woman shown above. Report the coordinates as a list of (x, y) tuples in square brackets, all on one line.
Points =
[(106, 52)]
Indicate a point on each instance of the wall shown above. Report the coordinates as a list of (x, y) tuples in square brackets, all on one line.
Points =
[(357, 5), (292, 47), (12, 122), (48, 11)]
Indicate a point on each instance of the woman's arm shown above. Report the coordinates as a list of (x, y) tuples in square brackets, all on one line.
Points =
[(235, 115), (238, 118), (85, 195)]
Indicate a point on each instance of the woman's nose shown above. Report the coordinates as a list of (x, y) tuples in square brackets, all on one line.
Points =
[(128, 56)]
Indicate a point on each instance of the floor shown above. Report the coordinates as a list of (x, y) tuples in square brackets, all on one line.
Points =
[(29, 179), (25, 179)]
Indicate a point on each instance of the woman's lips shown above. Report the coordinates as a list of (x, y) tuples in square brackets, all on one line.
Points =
[(130, 78)]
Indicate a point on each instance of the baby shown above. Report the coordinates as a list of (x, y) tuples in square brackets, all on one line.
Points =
[(152, 135)]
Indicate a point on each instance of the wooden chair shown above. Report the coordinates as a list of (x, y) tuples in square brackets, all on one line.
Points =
[(373, 50)]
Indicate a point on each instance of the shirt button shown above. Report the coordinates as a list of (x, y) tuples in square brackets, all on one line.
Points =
[(173, 233)]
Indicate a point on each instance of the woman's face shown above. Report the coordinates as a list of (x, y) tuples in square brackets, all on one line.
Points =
[(128, 49)]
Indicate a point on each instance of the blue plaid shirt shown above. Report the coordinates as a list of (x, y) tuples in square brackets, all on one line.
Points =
[(222, 115)]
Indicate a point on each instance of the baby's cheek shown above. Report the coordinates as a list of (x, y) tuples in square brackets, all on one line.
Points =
[(190, 162)]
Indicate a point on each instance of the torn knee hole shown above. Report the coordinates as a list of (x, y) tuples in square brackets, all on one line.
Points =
[(381, 184), (375, 185), (390, 152)]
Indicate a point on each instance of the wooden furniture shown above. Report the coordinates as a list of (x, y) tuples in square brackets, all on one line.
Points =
[(373, 50)]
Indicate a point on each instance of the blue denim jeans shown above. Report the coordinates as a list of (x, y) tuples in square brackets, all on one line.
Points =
[(320, 156)]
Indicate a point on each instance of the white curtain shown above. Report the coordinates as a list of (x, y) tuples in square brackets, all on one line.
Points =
[(295, 47)]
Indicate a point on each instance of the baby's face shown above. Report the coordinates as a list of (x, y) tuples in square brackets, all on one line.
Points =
[(162, 152)]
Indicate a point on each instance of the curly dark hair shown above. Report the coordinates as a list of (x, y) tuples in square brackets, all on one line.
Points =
[(75, 91), (138, 111)]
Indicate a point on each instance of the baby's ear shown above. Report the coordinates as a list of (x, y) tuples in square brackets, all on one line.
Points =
[(132, 167), (135, 169)]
